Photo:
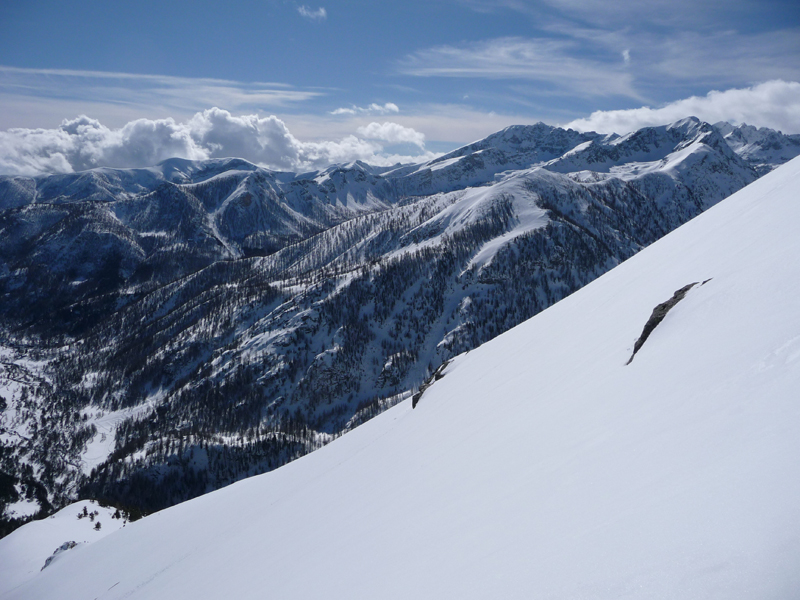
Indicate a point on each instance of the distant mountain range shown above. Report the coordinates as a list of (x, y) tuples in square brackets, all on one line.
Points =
[(167, 331)]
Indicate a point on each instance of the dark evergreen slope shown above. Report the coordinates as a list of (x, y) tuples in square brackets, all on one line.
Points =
[(167, 331)]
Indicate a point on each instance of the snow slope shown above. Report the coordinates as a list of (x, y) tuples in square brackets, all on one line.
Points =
[(23, 553), (540, 465)]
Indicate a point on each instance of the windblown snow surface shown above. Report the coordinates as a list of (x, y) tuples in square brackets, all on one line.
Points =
[(540, 465)]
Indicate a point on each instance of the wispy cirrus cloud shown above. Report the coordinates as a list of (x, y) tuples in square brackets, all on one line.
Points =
[(723, 58), (151, 93), (557, 62), (372, 109), (620, 14), (593, 63), (680, 47), (773, 104), (319, 14), (686, 60), (689, 57)]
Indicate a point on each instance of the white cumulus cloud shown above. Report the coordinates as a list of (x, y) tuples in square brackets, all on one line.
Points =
[(85, 143), (774, 104), (315, 15), (394, 133)]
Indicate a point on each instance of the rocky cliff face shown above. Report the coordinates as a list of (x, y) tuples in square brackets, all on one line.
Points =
[(184, 326)]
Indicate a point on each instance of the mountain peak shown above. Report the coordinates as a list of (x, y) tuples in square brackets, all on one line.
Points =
[(762, 147), (688, 124)]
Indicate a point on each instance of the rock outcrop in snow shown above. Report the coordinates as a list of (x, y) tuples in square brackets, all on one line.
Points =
[(658, 314)]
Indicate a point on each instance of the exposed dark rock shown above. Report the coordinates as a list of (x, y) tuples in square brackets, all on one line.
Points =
[(62, 548), (437, 375), (659, 312)]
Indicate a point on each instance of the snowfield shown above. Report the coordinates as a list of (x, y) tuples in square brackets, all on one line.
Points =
[(24, 552), (540, 465)]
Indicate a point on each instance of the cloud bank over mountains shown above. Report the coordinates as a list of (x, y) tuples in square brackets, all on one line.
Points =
[(773, 104), (85, 143)]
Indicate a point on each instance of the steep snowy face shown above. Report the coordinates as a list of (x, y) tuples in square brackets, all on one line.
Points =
[(540, 140), (184, 326), (513, 148), (688, 150), (540, 464)]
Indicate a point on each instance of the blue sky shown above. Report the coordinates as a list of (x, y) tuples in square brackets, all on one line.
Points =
[(385, 80)]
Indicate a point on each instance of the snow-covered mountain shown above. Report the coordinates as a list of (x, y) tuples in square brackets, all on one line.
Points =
[(545, 463), (166, 331), (762, 147)]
